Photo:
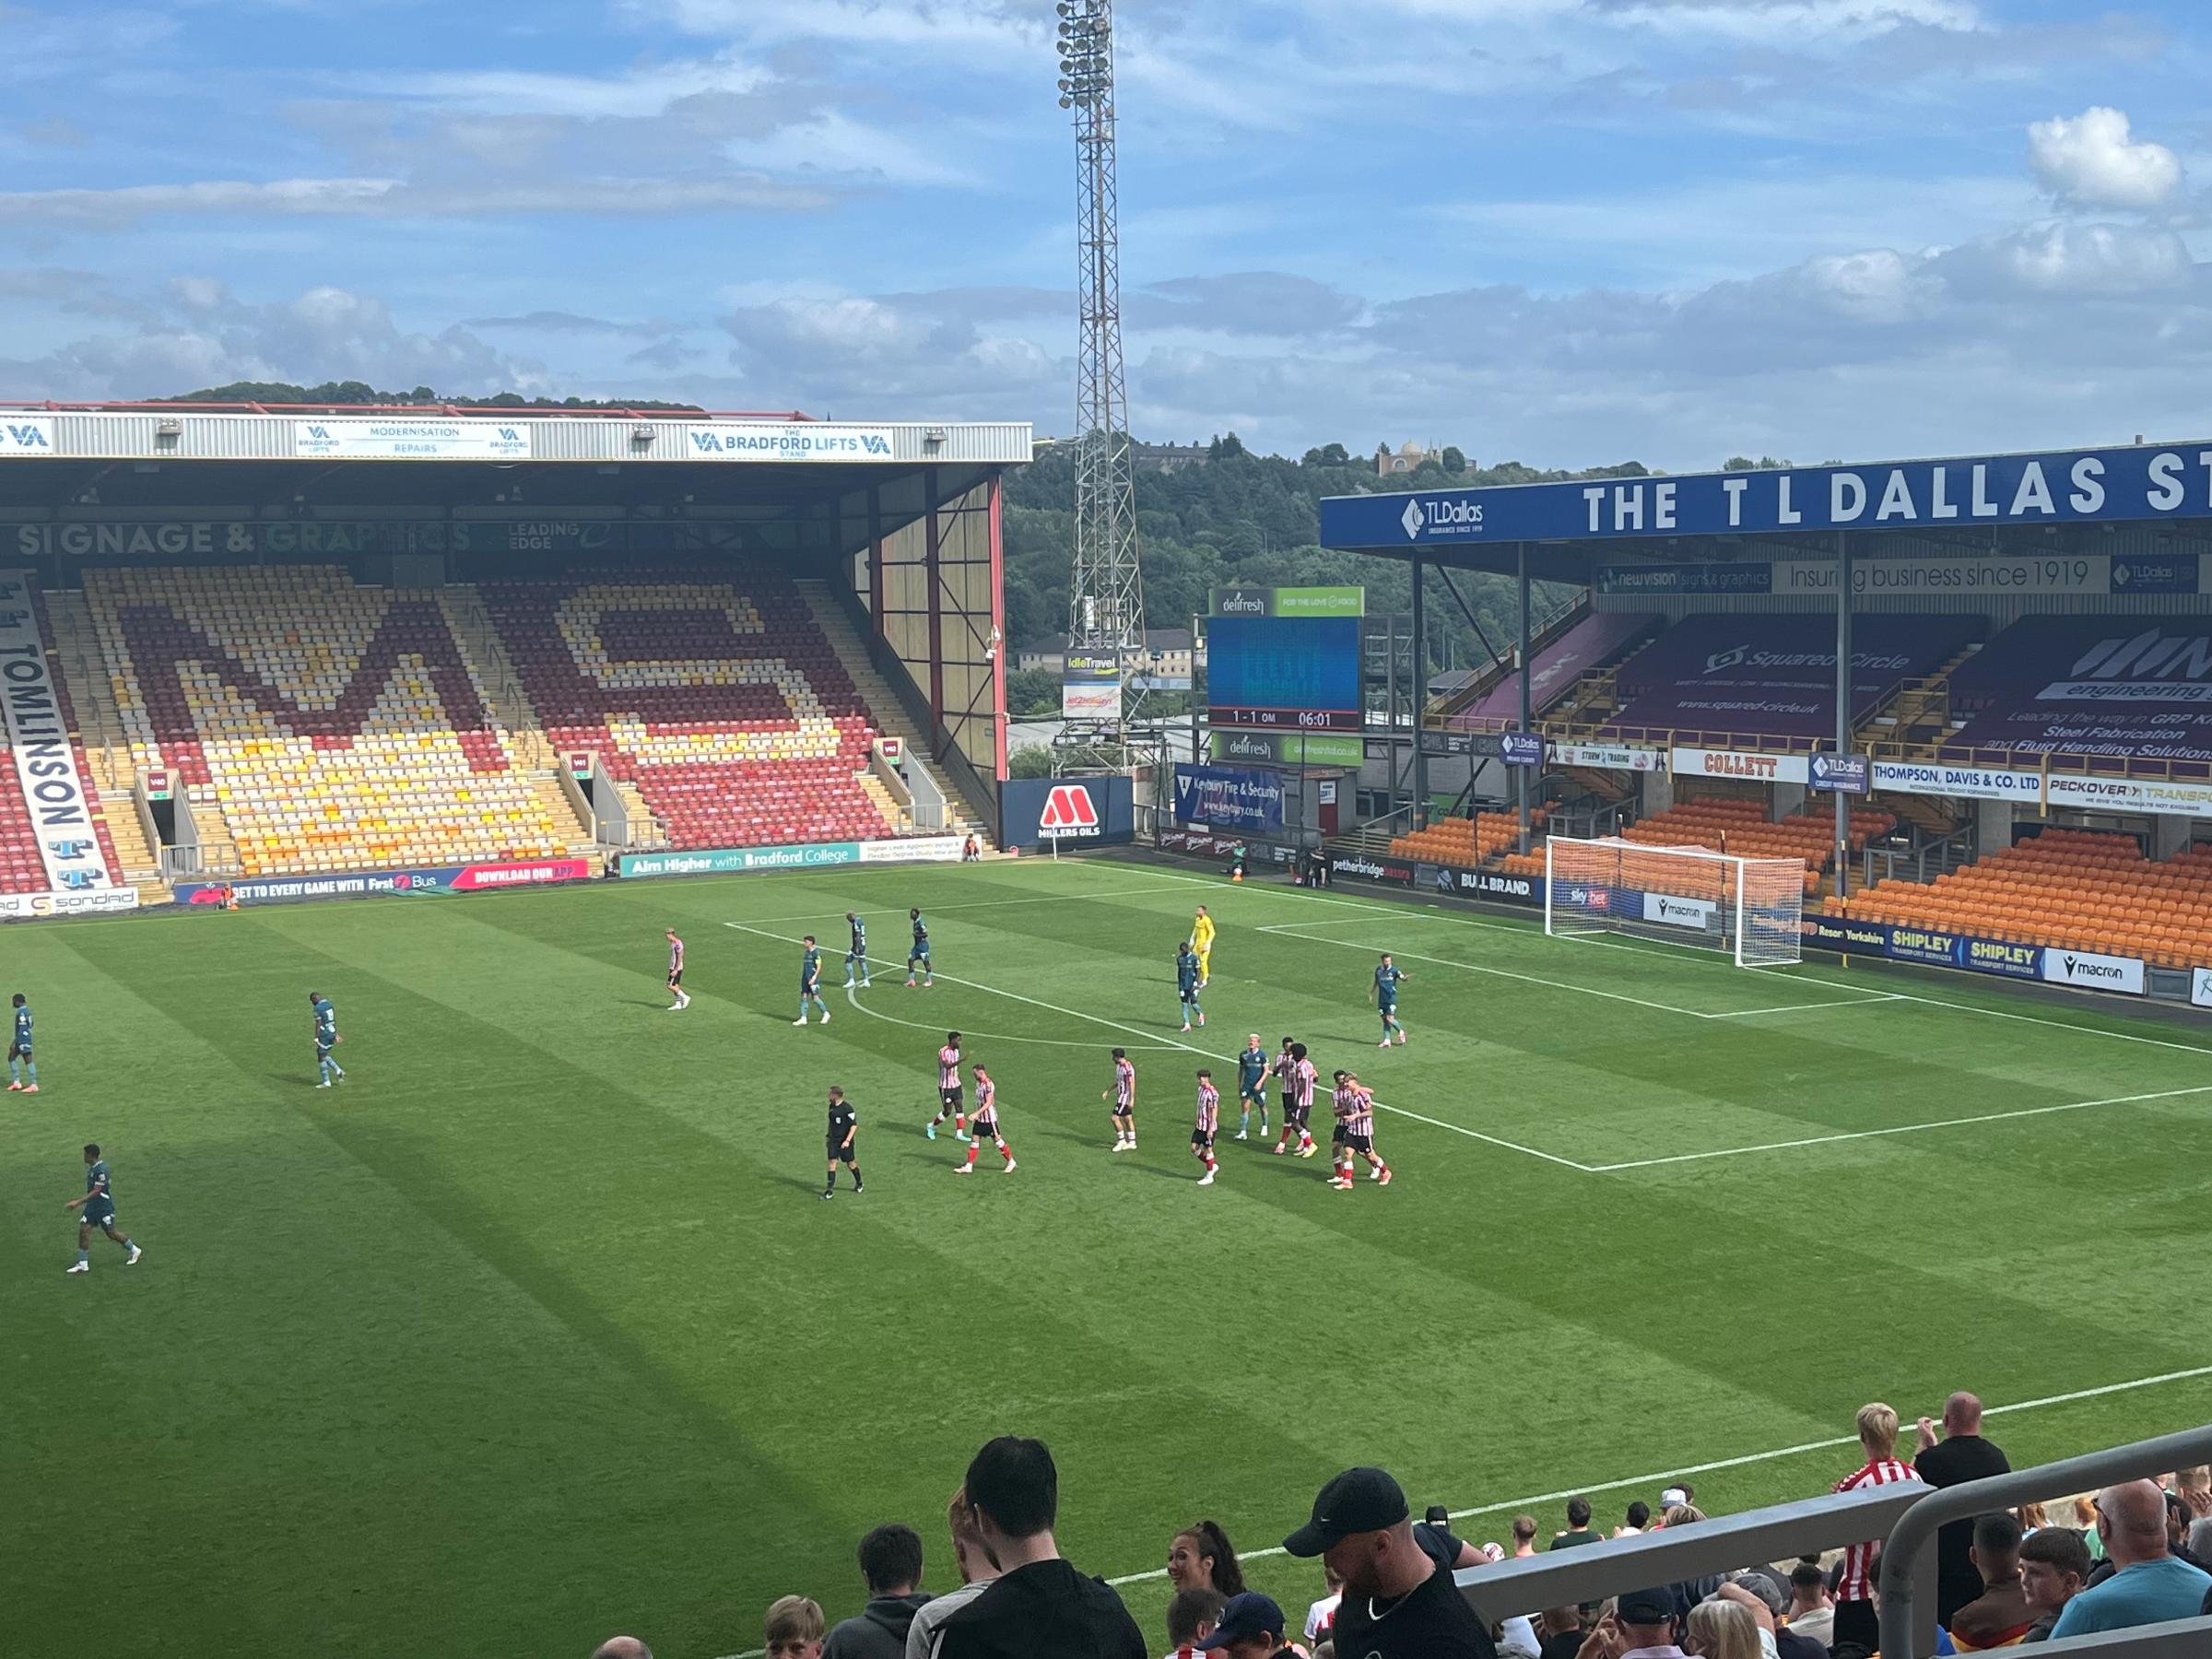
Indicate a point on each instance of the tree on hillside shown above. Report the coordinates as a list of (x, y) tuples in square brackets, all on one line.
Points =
[(353, 393)]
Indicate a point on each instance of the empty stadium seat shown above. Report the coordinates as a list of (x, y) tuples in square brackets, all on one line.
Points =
[(715, 693), (1471, 841), (337, 727), (2078, 890), (1739, 826)]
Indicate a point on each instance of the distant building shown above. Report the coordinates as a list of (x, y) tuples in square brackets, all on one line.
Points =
[(1166, 656), (1403, 459)]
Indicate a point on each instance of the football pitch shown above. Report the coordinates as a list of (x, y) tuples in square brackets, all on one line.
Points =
[(537, 1329)]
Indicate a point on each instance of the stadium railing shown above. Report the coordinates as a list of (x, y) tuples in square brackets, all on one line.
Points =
[(1708, 1548), (1906, 1514), (1914, 1530)]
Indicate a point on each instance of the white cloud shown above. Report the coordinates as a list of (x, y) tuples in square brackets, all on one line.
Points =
[(397, 198), (2091, 159)]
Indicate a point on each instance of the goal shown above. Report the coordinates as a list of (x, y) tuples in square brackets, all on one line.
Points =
[(1750, 907)]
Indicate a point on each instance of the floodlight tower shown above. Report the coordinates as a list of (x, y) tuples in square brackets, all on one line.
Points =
[(1106, 595)]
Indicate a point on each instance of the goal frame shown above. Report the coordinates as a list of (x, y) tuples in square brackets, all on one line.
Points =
[(1752, 889)]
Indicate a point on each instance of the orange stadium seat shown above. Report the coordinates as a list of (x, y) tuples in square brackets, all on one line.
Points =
[(2078, 890)]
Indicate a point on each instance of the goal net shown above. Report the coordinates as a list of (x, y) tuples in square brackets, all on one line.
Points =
[(1748, 907)]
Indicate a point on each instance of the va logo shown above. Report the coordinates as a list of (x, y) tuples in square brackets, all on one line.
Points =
[(319, 432), (875, 443), (1070, 811), (26, 435), (509, 435)]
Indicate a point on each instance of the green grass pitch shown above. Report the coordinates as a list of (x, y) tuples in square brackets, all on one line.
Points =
[(537, 1330)]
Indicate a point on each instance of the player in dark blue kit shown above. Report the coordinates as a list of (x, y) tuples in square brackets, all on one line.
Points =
[(1387, 975), (919, 955), (856, 959), (1251, 1085), (1186, 983), (327, 1039), (843, 1141), (98, 1207), (22, 1070), (810, 982)]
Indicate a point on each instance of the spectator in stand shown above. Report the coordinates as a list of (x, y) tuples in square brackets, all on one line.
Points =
[(2054, 1565), (622, 1647), (2032, 1517), (1400, 1601), (1999, 1617), (1201, 1555), (2084, 1509), (1192, 1616), (1578, 1531), (971, 850), (1322, 1616), (2195, 1488), (1811, 1612), (1764, 1593), (976, 1572), (1250, 1628), (1722, 1627), (793, 1629), (1855, 1621), (2177, 1531), (2148, 1586), (1524, 1536), (890, 1565), (2200, 1541), (1640, 1626), (1960, 1455), (1038, 1604), (1562, 1628), (1638, 1518)]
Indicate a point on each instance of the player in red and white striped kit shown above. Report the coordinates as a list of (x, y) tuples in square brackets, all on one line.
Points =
[(986, 1125), (1356, 1115), (1209, 1122), (949, 1099), (1298, 1102), (1123, 1095), (675, 973)]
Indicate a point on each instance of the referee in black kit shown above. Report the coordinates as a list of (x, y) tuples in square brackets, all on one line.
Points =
[(844, 1131)]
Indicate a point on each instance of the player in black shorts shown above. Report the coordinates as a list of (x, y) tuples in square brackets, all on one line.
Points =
[(844, 1132)]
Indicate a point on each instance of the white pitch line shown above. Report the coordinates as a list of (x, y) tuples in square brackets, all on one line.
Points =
[(1822, 1140), (1155, 1037), (1661, 1476), (1845, 1002), (1075, 897)]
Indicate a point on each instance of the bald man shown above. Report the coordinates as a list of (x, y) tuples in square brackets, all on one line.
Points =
[(622, 1647), (2150, 1586), (1958, 1456)]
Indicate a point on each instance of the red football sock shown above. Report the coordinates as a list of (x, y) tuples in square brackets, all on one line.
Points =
[(971, 1155)]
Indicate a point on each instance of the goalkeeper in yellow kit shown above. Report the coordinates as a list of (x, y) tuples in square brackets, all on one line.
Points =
[(1202, 943)]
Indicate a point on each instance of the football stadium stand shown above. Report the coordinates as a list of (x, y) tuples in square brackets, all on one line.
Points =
[(718, 697), (1458, 841), (1739, 825), (2117, 691), (1589, 641), (2078, 890), (1732, 680), (332, 727)]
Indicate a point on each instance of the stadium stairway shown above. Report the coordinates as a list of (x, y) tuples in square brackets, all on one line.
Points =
[(888, 710)]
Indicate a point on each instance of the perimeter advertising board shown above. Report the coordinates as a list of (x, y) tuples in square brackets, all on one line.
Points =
[(1067, 812), (450, 878)]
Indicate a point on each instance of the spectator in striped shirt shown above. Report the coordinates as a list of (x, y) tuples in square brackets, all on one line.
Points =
[(1855, 1618)]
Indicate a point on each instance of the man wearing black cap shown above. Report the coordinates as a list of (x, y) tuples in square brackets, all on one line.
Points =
[(1251, 1626), (1399, 1600), (1645, 1622)]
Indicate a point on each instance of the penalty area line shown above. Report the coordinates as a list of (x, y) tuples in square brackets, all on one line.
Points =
[(1823, 1140)]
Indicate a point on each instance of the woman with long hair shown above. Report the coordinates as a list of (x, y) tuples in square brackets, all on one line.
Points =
[(1201, 1557), (1721, 1629)]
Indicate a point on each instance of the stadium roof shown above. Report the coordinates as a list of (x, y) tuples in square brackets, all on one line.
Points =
[(2057, 500), (60, 461)]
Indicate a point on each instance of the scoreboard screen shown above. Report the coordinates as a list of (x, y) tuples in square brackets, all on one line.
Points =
[(1285, 659)]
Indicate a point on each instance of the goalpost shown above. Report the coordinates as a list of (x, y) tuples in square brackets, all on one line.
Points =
[(1750, 907)]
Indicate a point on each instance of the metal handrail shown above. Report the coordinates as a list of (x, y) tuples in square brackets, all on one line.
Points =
[(1914, 1530), (1835, 1520)]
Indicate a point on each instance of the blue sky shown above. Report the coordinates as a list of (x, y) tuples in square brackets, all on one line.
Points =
[(1563, 231)]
